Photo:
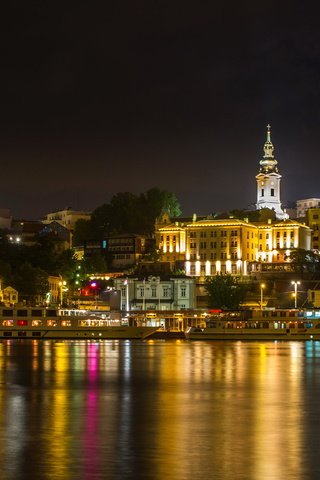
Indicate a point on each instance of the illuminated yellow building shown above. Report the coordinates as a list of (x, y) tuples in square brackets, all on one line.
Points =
[(313, 221), (277, 241), (239, 247)]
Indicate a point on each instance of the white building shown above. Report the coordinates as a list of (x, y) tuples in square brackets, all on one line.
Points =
[(304, 205), (67, 217), (268, 181), (153, 293)]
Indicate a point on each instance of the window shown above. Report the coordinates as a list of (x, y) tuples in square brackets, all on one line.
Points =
[(165, 292), (51, 323), (262, 192), (22, 323), (183, 291), (272, 192), (7, 323), (36, 323), (153, 291)]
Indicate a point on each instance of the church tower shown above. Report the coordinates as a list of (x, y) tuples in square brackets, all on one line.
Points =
[(268, 181)]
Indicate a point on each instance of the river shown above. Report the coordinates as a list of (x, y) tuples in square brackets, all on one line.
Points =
[(160, 410)]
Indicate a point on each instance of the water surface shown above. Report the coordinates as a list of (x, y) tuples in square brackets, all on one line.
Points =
[(160, 410)]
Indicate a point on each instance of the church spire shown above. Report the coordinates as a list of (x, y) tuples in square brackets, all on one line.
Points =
[(268, 162), (268, 181)]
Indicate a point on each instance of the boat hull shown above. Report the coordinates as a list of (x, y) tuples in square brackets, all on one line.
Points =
[(252, 336), (114, 333)]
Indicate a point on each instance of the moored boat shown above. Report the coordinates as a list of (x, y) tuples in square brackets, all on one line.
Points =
[(67, 323), (273, 324)]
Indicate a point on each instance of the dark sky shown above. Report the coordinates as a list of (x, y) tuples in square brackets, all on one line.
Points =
[(106, 97)]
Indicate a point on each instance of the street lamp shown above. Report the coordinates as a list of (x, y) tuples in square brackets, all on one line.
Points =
[(62, 285), (295, 286), (262, 286)]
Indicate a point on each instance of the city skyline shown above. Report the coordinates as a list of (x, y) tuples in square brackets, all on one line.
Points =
[(97, 101)]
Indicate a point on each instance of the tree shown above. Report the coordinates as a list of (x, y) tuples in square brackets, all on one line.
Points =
[(94, 264), (305, 261), (153, 203), (128, 213), (83, 231), (31, 282), (5, 273), (225, 291)]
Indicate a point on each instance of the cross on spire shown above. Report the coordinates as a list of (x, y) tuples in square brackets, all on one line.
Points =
[(268, 133)]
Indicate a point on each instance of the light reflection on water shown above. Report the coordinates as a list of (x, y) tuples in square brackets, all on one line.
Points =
[(159, 410)]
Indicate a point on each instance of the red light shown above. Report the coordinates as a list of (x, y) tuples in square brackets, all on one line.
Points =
[(22, 323)]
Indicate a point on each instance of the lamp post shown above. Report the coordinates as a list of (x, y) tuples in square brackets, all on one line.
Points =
[(62, 285), (126, 282), (262, 286), (295, 286)]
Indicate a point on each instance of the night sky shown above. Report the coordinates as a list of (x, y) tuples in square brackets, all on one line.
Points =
[(106, 97)]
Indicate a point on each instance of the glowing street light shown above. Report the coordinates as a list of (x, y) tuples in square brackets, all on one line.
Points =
[(262, 286), (62, 285), (295, 286)]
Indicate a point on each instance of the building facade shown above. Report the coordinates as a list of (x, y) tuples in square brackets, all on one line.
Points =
[(232, 246), (304, 205), (66, 217), (153, 293), (123, 250), (313, 221)]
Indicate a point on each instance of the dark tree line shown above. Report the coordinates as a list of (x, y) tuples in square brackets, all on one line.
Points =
[(26, 268), (127, 213)]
